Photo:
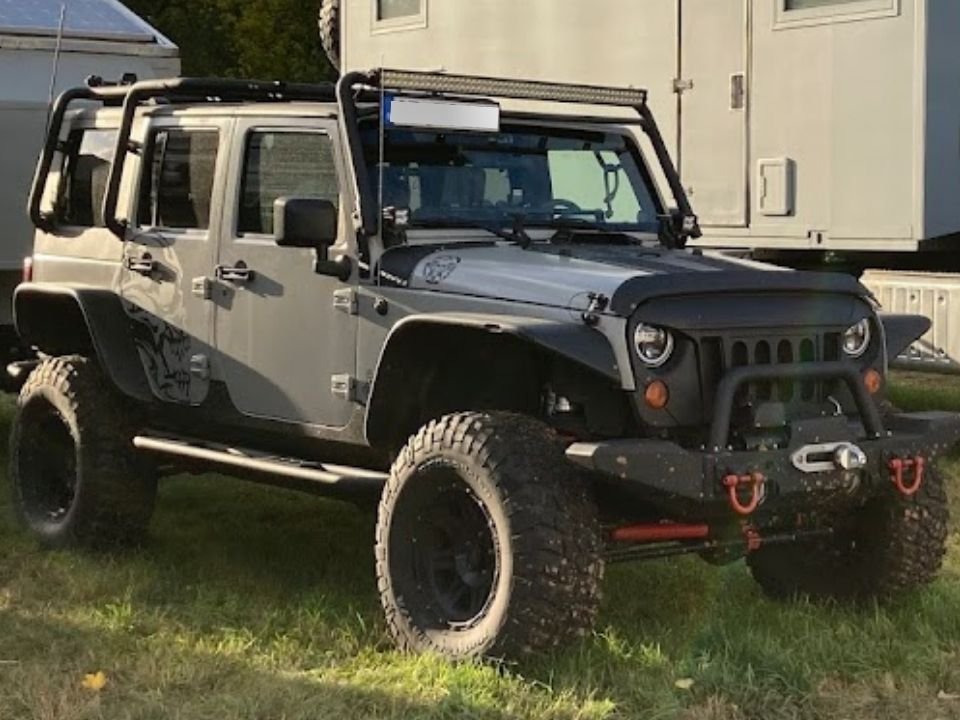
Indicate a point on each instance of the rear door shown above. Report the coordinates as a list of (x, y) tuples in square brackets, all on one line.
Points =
[(285, 335), (714, 105), (169, 250)]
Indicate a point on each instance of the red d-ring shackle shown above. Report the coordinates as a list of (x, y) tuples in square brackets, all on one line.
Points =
[(734, 482), (900, 467)]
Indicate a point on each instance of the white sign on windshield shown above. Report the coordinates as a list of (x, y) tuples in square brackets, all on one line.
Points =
[(441, 114)]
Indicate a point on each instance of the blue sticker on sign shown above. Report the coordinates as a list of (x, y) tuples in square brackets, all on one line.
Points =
[(388, 110)]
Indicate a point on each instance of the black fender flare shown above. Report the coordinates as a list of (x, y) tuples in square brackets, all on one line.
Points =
[(92, 321), (901, 330), (577, 342)]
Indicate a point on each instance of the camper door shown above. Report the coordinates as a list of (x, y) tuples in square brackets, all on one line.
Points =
[(713, 108)]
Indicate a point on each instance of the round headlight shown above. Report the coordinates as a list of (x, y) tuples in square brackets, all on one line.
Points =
[(857, 338), (654, 344)]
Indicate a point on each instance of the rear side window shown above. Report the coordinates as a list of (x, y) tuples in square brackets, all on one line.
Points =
[(89, 154), (284, 164), (177, 186)]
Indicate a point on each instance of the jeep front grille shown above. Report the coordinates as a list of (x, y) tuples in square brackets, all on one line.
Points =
[(721, 354)]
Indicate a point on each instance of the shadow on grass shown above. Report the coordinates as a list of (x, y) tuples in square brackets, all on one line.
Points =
[(54, 656)]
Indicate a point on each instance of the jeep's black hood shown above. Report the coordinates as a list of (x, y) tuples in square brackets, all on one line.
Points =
[(636, 291), (567, 275), (674, 273)]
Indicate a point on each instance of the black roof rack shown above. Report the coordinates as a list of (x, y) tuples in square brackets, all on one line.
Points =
[(131, 94), (352, 88)]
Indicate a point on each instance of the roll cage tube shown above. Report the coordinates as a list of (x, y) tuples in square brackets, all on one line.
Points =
[(352, 85), (52, 144), (194, 90)]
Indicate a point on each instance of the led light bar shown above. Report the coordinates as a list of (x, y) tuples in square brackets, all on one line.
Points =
[(406, 80)]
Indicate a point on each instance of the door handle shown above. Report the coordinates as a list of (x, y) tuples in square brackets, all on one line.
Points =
[(143, 265), (238, 273), (738, 91)]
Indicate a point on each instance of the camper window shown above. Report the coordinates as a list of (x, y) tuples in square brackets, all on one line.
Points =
[(812, 12), (807, 4), (84, 178), (177, 186), (398, 15), (394, 9), (284, 164)]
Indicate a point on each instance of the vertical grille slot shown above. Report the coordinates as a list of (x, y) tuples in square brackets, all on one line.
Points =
[(712, 365), (785, 356), (831, 353), (761, 356), (831, 347), (739, 357), (808, 353)]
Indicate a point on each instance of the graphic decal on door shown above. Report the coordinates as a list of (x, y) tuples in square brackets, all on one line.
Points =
[(159, 321), (165, 353)]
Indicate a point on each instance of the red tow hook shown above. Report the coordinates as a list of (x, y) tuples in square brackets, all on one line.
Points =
[(660, 532), (900, 467), (733, 483)]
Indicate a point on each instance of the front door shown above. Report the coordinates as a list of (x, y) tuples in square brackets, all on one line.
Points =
[(171, 243), (285, 335), (714, 108)]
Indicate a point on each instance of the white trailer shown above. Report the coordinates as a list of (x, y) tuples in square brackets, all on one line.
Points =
[(99, 37), (800, 127)]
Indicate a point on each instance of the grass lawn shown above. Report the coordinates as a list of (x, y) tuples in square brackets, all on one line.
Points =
[(250, 602)]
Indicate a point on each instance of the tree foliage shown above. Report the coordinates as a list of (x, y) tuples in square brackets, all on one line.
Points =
[(265, 39)]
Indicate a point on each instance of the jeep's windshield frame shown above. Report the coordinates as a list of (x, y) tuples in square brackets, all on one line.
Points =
[(373, 86), (543, 175)]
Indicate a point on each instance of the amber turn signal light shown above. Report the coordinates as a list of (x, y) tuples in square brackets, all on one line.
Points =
[(873, 381), (657, 395)]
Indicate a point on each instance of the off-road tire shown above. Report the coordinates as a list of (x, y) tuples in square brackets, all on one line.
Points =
[(541, 529), (75, 477), (329, 26), (892, 544)]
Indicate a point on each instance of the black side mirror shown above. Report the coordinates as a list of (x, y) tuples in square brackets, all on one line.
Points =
[(305, 222), (311, 223)]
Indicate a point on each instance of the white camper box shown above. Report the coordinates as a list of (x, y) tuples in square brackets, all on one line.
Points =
[(100, 37), (796, 124)]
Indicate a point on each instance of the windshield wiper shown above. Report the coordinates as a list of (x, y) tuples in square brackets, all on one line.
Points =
[(569, 228), (517, 234)]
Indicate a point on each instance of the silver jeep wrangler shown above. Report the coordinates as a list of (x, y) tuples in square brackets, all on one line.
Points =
[(486, 315)]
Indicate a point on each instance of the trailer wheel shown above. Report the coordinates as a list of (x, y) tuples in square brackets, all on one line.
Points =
[(890, 545), (75, 476), (329, 24), (488, 542)]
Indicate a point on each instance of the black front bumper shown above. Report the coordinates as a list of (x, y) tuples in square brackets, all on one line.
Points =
[(699, 481)]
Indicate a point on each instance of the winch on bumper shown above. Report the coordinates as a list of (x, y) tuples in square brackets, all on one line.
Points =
[(828, 460)]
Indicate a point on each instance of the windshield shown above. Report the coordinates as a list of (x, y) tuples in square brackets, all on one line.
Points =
[(543, 175)]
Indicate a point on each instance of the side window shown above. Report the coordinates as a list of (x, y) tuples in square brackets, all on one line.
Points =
[(83, 181), (177, 185), (283, 164)]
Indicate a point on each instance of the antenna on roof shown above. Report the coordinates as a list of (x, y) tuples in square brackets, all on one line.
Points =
[(56, 65)]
